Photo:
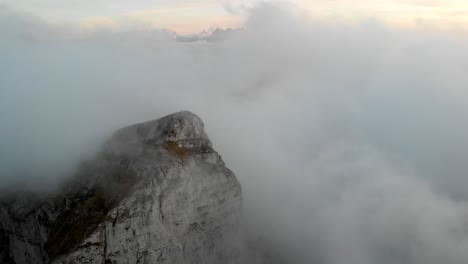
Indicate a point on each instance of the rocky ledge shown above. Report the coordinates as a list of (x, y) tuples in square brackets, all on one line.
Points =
[(156, 193)]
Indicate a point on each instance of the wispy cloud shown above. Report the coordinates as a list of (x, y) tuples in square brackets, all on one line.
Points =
[(188, 16), (182, 16), (423, 14)]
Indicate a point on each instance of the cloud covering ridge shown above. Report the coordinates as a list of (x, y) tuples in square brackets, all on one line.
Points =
[(349, 140)]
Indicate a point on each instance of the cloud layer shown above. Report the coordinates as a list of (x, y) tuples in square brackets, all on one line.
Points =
[(350, 141)]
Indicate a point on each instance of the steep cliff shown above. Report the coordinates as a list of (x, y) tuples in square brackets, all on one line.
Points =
[(156, 193)]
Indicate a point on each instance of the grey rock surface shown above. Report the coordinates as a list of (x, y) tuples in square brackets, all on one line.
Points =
[(156, 193)]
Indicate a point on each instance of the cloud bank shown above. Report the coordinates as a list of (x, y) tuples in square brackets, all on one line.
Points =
[(349, 140)]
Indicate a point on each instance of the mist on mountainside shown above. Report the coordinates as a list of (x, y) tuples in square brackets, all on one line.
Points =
[(349, 139)]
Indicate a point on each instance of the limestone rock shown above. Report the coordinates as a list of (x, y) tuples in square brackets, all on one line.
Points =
[(157, 193)]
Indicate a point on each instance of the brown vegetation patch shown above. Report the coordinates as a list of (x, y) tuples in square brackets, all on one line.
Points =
[(175, 150), (87, 211), (72, 227)]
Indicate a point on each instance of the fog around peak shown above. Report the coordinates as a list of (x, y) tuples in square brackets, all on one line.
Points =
[(349, 140)]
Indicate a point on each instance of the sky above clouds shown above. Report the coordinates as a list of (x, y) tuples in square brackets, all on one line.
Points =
[(189, 16), (182, 16)]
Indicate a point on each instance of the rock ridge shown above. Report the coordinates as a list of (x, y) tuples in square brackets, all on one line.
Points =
[(156, 193)]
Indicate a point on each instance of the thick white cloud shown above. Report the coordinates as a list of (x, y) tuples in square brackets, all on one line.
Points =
[(350, 141)]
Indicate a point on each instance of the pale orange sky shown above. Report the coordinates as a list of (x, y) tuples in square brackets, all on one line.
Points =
[(189, 16), (425, 14)]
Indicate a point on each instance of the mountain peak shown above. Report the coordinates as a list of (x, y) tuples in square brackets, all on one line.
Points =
[(157, 193), (185, 128), (210, 35)]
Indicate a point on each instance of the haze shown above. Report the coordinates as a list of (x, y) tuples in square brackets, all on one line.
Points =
[(189, 16), (349, 138)]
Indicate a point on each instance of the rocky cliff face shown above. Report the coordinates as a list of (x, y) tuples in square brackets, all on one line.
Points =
[(157, 193)]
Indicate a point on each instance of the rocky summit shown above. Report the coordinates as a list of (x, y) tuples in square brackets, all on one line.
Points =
[(156, 193)]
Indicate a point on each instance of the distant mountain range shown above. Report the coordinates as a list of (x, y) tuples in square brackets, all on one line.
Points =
[(209, 35)]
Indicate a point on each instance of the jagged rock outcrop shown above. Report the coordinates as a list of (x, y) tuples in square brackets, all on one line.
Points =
[(157, 193)]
